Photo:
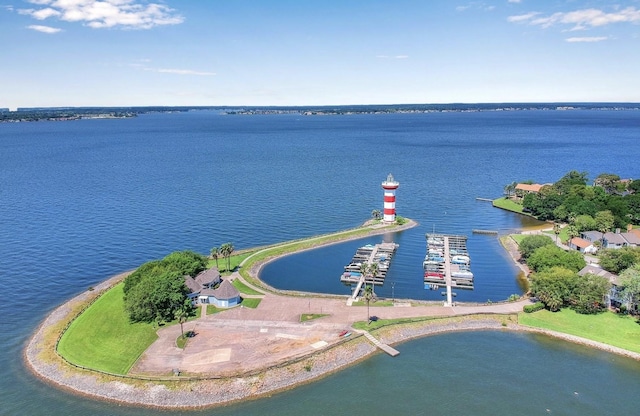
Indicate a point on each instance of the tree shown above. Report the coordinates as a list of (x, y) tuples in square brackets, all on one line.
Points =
[(215, 253), (617, 260), (629, 285), (157, 297), (556, 230), (564, 184), (553, 256), (376, 214), (585, 223), (634, 186), (368, 296), (604, 221), (226, 249), (554, 286), (588, 294), (182, 318), (532, 242), (572, 231), (609, 182), (186, 262), (510, 189)]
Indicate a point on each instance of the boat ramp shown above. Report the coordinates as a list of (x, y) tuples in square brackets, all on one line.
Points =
[(447, 264)]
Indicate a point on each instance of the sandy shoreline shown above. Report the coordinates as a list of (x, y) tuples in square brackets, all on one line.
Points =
[(46, 365)]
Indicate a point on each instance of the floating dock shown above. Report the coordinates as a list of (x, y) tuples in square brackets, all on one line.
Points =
[(380, 254), (447, 264)]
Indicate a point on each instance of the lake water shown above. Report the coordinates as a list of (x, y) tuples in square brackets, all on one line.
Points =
[(81, 201)]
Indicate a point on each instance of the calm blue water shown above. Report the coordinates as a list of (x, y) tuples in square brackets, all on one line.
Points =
[(81, 201)]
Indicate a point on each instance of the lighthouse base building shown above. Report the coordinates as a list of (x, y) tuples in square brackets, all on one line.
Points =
[(389, 186)]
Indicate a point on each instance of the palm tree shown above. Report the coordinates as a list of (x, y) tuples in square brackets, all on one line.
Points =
[(556, 230), (572, 231), (368, 297), (215, 253), (182, 318), (226, 249), (376, 214)]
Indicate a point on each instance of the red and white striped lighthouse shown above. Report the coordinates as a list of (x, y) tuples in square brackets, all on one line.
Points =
[(390, 186)]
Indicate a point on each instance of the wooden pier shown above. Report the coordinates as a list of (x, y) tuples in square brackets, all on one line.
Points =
[(447, 264), (380, 254)]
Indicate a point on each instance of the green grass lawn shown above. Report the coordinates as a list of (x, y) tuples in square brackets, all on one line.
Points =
[(251, 303), (311, 316), (609, 328), (102, 337), (518, 237), (235, 261), (507, 204), (242, 288)]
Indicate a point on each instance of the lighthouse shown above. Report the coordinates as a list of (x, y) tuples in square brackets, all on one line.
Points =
[(390, 186)]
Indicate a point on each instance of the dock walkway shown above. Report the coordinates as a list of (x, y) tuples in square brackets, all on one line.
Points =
[(384, 347)]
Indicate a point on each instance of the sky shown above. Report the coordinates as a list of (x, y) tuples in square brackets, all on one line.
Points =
[(59, 53)]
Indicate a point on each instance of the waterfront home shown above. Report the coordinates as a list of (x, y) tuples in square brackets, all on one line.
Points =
[(224, 296), (614, 298), (207, 279), (582, 245)]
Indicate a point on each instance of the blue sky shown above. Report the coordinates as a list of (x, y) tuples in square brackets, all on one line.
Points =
[(294, 52)]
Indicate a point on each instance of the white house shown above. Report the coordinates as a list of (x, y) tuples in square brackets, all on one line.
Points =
[(224, 296), (583, 246)]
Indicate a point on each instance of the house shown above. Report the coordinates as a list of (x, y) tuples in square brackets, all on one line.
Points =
[(591, 236), (527, 188), (224, 296), (614, 298), (614, 240), (633, 238), (207, 279), (583, 246)]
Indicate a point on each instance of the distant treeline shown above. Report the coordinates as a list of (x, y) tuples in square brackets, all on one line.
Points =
[(75, 113)]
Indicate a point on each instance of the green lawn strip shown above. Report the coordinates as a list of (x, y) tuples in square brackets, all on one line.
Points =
[(242, 288), (235, 260), (507, 204), (211, 309), (251, 303), (379, 323), (518, 237), (311, 316), (102, 337), (609, 328), (377, 303)]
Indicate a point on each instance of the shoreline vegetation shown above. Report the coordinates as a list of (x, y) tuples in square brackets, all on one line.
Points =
[(79, 113), (44, 361)]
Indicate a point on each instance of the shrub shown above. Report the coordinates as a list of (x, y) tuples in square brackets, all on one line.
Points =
[(538, 306)]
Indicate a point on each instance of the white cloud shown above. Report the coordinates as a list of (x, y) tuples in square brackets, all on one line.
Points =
[(130, 14), (182, 72), (141, 64), (587, 39), (514, 1), (44, 13), (522, 17), (44, 29), (580, 19)]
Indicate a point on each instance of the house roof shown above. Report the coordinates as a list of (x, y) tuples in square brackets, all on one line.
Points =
[(192, 285), (632, 238), (533, 187), (593, 235), (226, 290), (579, 242), (635, 231), (206, 277), (615, 238), (599, 271)]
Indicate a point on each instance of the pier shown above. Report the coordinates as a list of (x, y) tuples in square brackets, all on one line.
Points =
[(379, 254), (447, 264)]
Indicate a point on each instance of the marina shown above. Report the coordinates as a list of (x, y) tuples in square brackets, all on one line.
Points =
[(357, 272), (447, 264)]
